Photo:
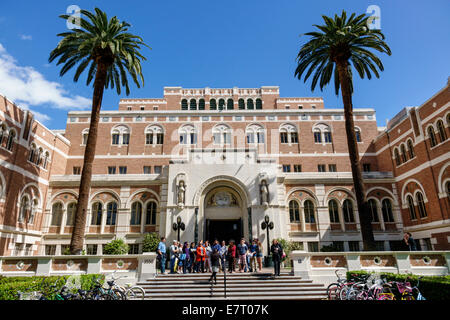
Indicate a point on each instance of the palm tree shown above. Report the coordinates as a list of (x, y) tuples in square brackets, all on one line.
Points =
[(340, 43), (110, 52)]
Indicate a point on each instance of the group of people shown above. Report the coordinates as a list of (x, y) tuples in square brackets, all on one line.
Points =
[(206, 257)]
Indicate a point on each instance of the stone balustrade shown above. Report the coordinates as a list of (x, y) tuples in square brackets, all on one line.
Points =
[(321, 266), (130, 268)]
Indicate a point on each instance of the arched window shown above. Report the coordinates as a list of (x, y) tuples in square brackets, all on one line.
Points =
[(32, 152), (432, 136), (241, 104), (322, 132), (46, 157), (111, 213), (373, 210), (317, 136), (358, 134), (288, 133), (410, 149), (150, 213), (34, 207), (115, 137), (255, 134), (154, 134), (57, 211), (441, 130), (39, 156), (221, 104), (201, 104), (84, 137), (3, 130), (212, 104), (412, 210), (97, 209), (10, 141), (24, 208), (120, 135), (386, 208), (193, 104), (136, 213), (421, 205), (184, 104), (230, 104), (308, 208), (250, 105), (71, 209), (188, 135), (397, 157), (258, 104), (347, 209), (294, 211), (403, 151), (447, 188), (333, 209), (221, 134)]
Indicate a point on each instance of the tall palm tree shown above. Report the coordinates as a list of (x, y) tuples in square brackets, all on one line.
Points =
[(338, 45), (110, 52)]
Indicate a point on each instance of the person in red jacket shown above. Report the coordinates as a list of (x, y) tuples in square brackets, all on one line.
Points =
[(201, 255), (231, 256)]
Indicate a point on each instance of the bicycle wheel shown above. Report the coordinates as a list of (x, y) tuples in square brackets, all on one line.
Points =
[(135, 293), (408, 296), (333, 291), (343, 293)]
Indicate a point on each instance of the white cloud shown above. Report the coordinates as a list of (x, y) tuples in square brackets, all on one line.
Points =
[(26, 86), (26, 37)]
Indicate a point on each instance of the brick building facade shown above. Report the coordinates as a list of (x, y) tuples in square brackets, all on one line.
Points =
[(222, 160)]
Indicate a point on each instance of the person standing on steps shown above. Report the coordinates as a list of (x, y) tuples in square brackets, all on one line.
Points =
[(161, 251), (201, 255), (242, 250), (192, 253), (208, 256), (277, 253), (231, 256), (223, 254), (173, 255), (253, 249), (259, 255), (215, 263)]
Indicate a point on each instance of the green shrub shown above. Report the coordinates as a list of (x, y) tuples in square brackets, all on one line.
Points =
[(10, 286), (117, 246), (433, 288), (151, 241), (288, 247), (66, 252)]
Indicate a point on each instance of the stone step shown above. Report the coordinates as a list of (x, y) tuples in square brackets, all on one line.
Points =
[(268, 297), (231, 285), (248, 294), (221, 289)]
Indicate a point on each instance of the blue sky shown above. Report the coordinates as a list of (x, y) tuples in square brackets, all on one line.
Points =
[(243, 43)]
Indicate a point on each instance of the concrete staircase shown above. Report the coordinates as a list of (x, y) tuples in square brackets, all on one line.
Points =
[(255, 286)]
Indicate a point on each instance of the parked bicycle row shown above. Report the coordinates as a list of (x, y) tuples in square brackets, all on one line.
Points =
[(373, 287), (98, 291)]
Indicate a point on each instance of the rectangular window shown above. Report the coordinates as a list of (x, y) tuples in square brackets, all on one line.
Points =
[(353, 245), (327, 137), (133, 248), (366, 167), (76, 170), (313, 246), (317, 137), (294, 137), (159, 138), (147, 169), (379, 245), (332, 168), (50, 250), (111, 170), (149, 138), (158, 169), (397, 245), (283, 137), (122, 170), (126, 138), (338, 246), (297, 168), (286, 168), (115, 138), (91, 249), (321, 168)]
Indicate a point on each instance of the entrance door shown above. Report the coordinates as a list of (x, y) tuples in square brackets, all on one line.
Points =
[(224, 230)]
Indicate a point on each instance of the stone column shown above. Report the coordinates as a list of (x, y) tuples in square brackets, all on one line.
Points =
[(301, 264), (147, 265)]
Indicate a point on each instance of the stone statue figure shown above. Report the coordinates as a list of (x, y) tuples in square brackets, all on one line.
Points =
[(264, 192), (181, 191)]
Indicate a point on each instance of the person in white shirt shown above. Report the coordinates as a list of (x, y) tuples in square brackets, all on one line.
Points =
[(208, 256)]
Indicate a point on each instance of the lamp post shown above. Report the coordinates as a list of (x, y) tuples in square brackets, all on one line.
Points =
[(178, 226), (266, 225)]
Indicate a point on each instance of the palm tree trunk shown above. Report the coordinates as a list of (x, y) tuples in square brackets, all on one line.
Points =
[(364, 218), (76, 244)]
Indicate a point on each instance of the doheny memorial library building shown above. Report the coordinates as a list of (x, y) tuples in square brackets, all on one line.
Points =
[(222, 160)]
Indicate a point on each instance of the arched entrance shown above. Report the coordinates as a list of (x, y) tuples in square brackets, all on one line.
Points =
[(223, 211)]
